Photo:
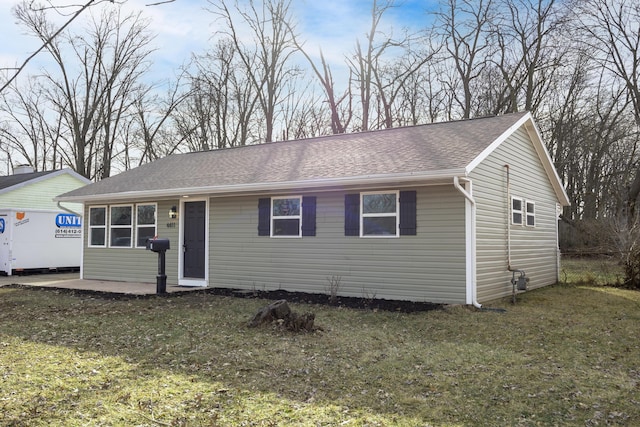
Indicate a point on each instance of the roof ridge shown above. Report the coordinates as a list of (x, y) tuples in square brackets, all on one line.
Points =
[(356, 133)]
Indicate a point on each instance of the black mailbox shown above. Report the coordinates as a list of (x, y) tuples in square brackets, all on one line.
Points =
[(158, 245)]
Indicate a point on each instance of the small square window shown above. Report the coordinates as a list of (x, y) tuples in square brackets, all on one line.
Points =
[(531, 214), (516, 211)]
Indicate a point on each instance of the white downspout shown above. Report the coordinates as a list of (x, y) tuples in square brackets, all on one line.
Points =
[(470, 224), (68, 210)]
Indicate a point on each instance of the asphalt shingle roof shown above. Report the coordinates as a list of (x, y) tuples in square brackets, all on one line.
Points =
[(12, 180), (417, 149)]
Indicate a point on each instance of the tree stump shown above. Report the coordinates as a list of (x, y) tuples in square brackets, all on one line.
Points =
[(280, 311), (274, 311), (299, 322)]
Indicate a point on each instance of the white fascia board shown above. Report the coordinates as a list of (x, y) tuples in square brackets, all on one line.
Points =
[(538, 145), (496, 143), (76, 175), (316, 184), (45, 178), (30, 182), (547, 163)]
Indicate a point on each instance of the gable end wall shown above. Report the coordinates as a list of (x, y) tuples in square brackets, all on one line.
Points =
[(533, 249), (40, 194)]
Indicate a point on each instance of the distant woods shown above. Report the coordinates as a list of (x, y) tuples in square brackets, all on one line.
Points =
[(572, 63)]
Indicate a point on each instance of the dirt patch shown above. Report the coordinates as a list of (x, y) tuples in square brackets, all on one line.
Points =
[(324, 299), (295, 297)]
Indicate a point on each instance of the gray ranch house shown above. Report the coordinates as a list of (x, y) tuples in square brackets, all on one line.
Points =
[(437, 213)]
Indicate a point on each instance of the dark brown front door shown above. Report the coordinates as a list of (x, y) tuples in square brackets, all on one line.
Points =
[(194, 239)]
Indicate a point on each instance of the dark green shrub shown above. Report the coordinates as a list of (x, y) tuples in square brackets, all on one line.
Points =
[(632, 269)]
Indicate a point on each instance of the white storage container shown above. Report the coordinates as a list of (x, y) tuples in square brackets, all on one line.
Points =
[(32, 239)]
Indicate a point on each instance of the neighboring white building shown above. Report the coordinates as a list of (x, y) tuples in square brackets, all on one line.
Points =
[(26, 189), (36, 233)]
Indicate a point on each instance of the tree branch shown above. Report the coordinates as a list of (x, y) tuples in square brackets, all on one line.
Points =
[(47, 42)]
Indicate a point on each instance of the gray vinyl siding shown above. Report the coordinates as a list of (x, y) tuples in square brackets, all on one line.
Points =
[(427, 267), (134, 264), (533, 249)]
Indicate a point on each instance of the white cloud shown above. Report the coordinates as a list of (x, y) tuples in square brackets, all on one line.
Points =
[(184, 26), (16, 45)]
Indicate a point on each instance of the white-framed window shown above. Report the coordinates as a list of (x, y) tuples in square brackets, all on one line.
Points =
[(120, 226), (531, 214), (517, 210), (98, 226), (146, 218), (379, 214), (286, 216)]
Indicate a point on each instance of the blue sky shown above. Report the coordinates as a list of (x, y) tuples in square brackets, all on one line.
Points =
[(184, 27)]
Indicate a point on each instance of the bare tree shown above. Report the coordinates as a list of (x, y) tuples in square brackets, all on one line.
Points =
[(531, 48), (390, 81), (93, 85), (463, 26), (340, 117), (562, 120), (220, 109), (612, 30), (50, 39), (194, 119), (267, 61), (366, 61), (301, 114), (28, 128), (378, 83), (149, 137)]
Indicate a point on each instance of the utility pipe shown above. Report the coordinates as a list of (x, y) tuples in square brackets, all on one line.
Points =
[(471, 243), (509, 218), (509, 207), (509, 213)]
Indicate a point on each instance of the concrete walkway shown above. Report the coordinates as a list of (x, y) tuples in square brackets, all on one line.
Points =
[(73, 281)]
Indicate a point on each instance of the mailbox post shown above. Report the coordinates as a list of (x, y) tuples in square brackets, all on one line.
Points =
[(160, 246)]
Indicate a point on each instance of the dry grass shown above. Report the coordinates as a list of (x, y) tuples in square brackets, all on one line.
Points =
[(599, 270), (563, 355)]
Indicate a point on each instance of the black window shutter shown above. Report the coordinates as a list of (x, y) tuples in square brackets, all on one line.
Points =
[(352, 214), (264, 217), (309, 216), (408, 213)]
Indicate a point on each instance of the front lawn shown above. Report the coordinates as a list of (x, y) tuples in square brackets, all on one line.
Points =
[(564, 355)]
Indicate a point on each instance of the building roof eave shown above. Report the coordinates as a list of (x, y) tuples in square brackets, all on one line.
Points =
[(324, 184)]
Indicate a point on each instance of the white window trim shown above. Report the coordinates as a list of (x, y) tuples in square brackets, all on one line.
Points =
[(105, 226), (273, 217), (395, 214), (129, 226), (515, 211), (137, 226), (530, 215)]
